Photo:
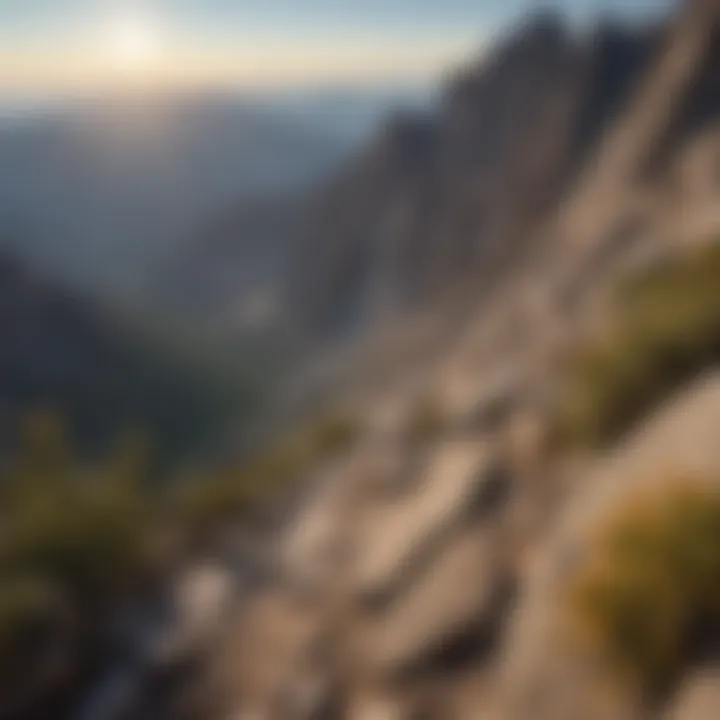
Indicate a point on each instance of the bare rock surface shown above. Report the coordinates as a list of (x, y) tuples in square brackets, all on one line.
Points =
[(260, 662), (545, 674), (397, 532), (698, 697), (461, 594), (432, 595)]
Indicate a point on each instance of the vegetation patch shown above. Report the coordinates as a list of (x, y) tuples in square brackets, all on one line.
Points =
[(664, 329), (79, 536), (76, 537), (650, 596), (203, 502)]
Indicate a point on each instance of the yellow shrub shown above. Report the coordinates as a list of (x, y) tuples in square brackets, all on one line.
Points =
[(652, 590), (665, 328)]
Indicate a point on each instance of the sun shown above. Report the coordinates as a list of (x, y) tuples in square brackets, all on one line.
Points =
[(133, 42)]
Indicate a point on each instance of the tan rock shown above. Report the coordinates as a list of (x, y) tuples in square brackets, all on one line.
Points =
[(698, 698), (398, 531), (376, 708), (457, 594), (259, 651)]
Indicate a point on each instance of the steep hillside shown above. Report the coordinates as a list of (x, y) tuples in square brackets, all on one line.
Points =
[(525, 525), (465, 560)]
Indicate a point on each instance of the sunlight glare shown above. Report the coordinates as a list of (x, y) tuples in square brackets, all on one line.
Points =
[(133, 42)]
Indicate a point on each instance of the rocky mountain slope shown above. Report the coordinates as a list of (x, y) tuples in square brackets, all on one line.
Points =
[(432, 571), (432, 575)]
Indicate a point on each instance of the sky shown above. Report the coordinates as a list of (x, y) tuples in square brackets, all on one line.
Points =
[(94, 44)]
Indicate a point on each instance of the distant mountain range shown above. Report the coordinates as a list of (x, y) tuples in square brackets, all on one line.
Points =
[(97, 192), (177, 214)]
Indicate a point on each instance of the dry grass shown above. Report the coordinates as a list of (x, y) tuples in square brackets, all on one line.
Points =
[(665, 329), (650, 597)]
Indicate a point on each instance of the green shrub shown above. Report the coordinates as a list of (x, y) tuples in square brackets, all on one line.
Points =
[(302, 450), (652, 590), (69, 529), (665, 328), (202, 503), (30, 609), (78, 536)]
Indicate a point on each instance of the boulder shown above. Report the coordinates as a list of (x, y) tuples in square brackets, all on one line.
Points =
[(698, 697), (202, 596), (455, 605), (397, 534), (260, 663), (316, 546)]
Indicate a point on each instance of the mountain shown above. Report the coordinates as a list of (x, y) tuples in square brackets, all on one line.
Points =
[(556, 135), (433, 203), (179, 211), (97, 192), (444, 205), (225, 279), (465, 554)]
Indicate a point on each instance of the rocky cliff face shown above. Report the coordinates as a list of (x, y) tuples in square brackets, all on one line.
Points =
[(551, 125), (447, 200)]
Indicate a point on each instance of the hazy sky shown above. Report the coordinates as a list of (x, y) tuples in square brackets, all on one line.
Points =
[(94, 43)]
